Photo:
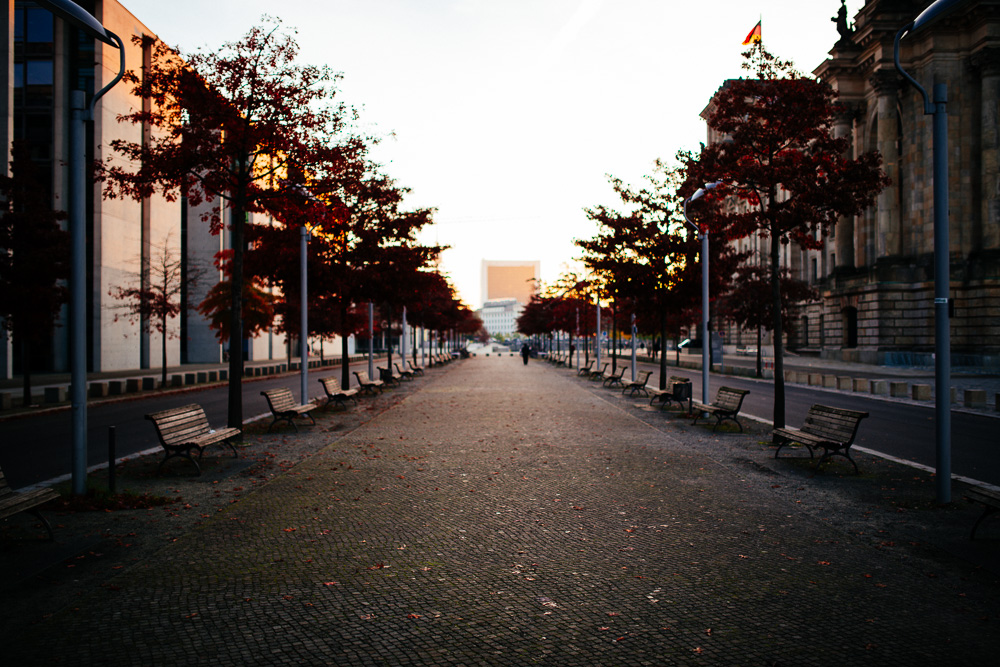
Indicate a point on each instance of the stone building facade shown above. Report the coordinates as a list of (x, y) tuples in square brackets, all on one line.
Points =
[(875, 273)]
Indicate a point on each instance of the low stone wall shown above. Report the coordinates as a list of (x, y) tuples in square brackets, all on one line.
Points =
[(971, 398)]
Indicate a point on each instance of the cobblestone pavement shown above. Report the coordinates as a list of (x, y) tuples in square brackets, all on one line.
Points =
[(511, 515)]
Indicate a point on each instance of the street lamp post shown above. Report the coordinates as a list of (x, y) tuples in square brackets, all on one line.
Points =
[(81, 113), (304, 315), (942, 268), (703, 235)]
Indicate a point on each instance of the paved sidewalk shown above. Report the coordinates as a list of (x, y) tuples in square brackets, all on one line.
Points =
[(513, 515)]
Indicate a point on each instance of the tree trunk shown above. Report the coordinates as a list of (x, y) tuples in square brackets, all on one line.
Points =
[(238, 222), (25, 371), (779, 366), (163, 352), (663, 337), (760, 354), (345, 365)]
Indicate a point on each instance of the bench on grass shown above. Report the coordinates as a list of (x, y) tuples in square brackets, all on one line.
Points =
[(678, 390), (610, 379), (637, 385), (284, 408), (366, 384), (186, 429), (832, 429), (726, 405), (990, 500), (334, 394), (14, 502)]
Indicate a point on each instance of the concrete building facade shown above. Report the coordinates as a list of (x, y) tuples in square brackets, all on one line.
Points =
[(46, 59)]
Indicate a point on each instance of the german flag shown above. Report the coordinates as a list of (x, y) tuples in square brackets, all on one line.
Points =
[(754, 35)]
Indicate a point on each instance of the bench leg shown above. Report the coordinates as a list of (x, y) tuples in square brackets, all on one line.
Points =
[(828, 453), (785, 441), (45, 522), (183, 454), (986, 512)]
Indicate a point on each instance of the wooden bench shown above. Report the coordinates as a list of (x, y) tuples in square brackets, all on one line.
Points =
[(186, 429), (832, 429), (389, 376), (14, 502), (284, 408), (585, 369), (611, 379), (990, 500), (597, 374), (726, 405), (366, 384), (637, 385), (404, 373), (334, 394), (678, 390), (416, 370)]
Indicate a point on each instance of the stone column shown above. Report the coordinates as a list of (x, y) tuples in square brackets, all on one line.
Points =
[(988, 63), (888, 237), (844, 231)]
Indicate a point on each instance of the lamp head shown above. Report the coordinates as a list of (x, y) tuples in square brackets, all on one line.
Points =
[(930, 14), (78, 17)]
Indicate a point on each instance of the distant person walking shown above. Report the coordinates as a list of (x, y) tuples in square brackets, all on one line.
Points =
[(525, 353), (656, 348)]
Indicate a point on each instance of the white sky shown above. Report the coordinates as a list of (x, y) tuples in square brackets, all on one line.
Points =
[(506, 115)]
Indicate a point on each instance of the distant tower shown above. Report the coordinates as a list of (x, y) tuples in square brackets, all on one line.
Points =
[(510, 280)]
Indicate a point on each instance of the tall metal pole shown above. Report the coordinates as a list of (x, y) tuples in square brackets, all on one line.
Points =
[(942, 253), (304, 314), (78, 288), (706, 349), (403, 342), (597, 346), (942, 279), (703, 235), (371, 340)]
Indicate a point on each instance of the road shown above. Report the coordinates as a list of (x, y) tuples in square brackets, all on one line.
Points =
[(902, 430), (36, 448)]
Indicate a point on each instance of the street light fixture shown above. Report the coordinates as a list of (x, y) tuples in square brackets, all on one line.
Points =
[(79, 18), (703, 235), (942, 268)]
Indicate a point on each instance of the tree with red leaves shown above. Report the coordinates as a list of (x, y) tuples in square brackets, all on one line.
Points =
[(229, 124), (790, 173), (34, 258), (649, 255)]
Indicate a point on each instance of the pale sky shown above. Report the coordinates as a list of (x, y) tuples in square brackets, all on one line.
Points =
[(506, 115)]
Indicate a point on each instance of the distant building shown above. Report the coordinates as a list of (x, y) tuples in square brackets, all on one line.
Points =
[(875, 273), (510, 280), (500, 316)]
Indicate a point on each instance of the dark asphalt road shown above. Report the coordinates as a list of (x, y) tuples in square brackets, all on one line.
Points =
[(37, 448)]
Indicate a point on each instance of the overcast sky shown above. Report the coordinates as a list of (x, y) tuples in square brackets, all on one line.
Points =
[(506, 115)]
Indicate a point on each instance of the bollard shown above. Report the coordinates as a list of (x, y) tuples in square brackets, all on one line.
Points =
[(845, 382), (879, 387), (921, 392), (861, 385), (898, 389), (830, 381), (112, 464), (975, 398)]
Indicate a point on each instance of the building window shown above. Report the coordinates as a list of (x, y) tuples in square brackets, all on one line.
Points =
[(850, 327)]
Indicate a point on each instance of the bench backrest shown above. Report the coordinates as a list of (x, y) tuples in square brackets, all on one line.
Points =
[(643, 377), (621, 373), (363, 378), (330, 384), (834, 424), (179, 425), (280, 399), (729, 398)]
